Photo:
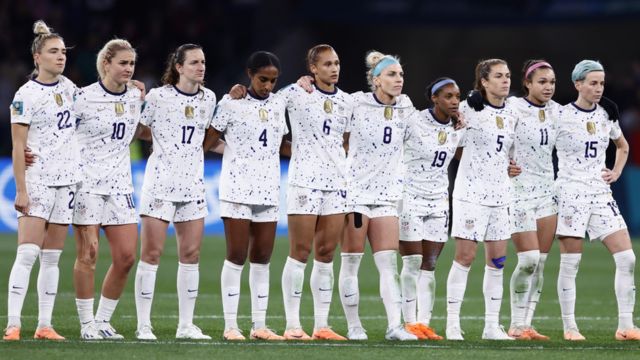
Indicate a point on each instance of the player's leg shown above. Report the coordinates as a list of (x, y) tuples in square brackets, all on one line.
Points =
[(527, 250), (431, 250), (570, 255), (84, 268), (492, 288), (237, 233)]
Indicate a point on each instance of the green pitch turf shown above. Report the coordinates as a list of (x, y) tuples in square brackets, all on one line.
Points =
[(595, 310)]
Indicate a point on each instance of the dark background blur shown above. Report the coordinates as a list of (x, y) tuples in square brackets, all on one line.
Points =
[(432, 38)]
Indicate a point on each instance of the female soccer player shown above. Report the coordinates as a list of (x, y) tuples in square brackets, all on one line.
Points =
[(108, 113), (431, 143), (481, 197), (249, 189), (41, 119), (533, 207), (585, 202), (178, 114)]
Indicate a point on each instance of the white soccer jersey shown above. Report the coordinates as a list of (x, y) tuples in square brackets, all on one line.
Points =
[(48, 111), (374, 163), (107, 124), (482, 175), (583, 138), (318, 122), (535, 138), (253, 130), (178, 122), (428, 150)]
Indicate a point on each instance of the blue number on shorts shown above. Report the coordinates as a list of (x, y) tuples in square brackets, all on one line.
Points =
[(63, 120), (186, 139), (263, 137), (73, 199), (590, 149), (499, 148), (130, 203), (387, 135), (544, 137), (118, 131), (326, 128), (439, 158)]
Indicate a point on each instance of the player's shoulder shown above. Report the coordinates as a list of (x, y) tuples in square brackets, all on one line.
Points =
[(207, 94)]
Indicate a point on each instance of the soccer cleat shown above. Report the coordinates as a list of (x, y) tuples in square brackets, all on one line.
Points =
[(145, 332), (12, 333), (495, 333), (327, 334), (573, 334), (429, 332), (191, 332), (629, 334), (520, 333), (233, 334), (400, 334), (47, 333), (296, 334), (108, 332), (454, 333), (415, 329), (535, 335), (265, 334), (90, 332), (357, 333)]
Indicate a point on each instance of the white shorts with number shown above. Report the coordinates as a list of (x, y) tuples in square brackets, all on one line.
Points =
[(525, 213), (479, 222), (374, 211), (306, 201), (52, 203), (424, 220), (597, 215), (255, 213), (94, 209), (176, 211)]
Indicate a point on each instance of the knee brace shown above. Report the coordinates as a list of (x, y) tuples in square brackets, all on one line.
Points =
[(499, 262)]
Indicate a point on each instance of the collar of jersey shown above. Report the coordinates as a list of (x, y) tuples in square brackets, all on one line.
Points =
[(436, 119), (110, 92), (186, 93), (335, 91), (534, 105), (44, 84), (584, 110), (380, 102), (256, 96), (496, 107)]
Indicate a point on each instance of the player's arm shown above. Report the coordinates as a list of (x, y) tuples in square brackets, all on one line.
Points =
[(238, 91), (622, 154), (19, 144), (140, 86), (345, 142), (458, 154), (212, 141), (285, 147), (143, 133)]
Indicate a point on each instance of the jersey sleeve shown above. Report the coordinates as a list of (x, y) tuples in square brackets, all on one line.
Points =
[(616, 131), (21, 112), (149, 109), (222, 114)]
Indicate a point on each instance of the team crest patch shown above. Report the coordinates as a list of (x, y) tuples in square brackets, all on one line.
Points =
[(189, 111), (541, 115), (591, 127), (302, 199), (405, 226), (132, 109), (58, 98), (328, 106), (17, 108), (469, 224), (119, 108), (263, 114), (499, 122), (202, 112), (442, 137), (568, 220), (388, 112)]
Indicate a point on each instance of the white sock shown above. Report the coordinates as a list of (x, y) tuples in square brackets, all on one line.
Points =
[(26, 256), (456, 286), (292, 283), (536, 289), (569, 264), (322, 290), (259, 285), (492, 290), (426, 295), (188, 280), (48, 277), (625, 287), (520, 285), (144, 287), (387, 264), (230, 289), (85, 311), (408, 285), (106, 307), (348, 287)]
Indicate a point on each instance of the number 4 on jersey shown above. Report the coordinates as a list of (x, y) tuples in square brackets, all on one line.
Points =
[(263, 137)]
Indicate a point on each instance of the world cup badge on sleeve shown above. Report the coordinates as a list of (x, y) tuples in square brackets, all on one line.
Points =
[(17, 108), (119, 108), (591, 127), (541, 115), (58, 98), (264, 114), (442, 137), (328, 106), (388, 112), (188, 112), (499, 122)]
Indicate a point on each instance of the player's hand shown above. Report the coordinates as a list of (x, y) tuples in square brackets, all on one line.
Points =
[(475, 100), (238, 91), (461, 124), (306, 82), (140, 86), (610, 176), (29, 158), (514, 169), (22, 202)]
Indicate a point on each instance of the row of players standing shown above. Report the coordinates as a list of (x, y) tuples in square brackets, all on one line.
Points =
[(317, 201)]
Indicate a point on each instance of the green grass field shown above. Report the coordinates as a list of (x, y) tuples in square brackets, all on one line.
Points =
[(595, 310)]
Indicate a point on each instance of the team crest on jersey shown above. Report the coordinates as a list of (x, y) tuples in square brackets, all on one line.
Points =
[(469, 224), (58, 98), (591, 127), (442, 137), (132, 109), (388, 112), (203, 112), (189, 111), (328, 106), (264, 114), (119, 108), (499, 122), (541, 115), (17, 108)]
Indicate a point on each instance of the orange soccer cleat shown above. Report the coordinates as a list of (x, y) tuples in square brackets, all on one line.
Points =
[(265, 334), (233, 334), (629, 334), (519, 333), (47, 333), (12, 333), (327, 334), (415, 329), (296, 334), (535, 335), (573, 335)]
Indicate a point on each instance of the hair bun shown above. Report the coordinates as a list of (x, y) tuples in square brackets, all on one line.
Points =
[(40, 28), (373, 57)]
